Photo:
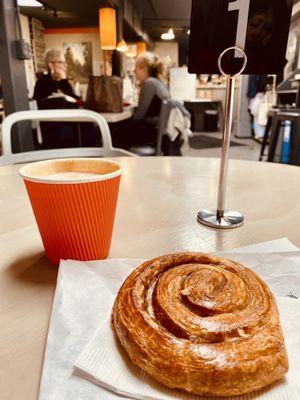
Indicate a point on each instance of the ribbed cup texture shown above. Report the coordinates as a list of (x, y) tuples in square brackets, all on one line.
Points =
[(75, 220)]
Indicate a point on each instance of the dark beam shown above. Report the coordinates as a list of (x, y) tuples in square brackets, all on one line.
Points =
[(117, 58), (12, 70)]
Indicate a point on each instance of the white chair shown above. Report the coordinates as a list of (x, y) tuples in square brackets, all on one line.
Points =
[(33, 106), (57, 115)]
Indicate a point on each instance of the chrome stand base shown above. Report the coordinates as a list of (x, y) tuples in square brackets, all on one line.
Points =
[(229, 220)]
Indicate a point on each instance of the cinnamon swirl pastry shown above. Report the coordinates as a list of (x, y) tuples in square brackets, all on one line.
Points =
[(202, 324)]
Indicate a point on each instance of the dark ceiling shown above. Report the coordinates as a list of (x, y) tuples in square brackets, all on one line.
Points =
[(69, 13), (160, 15), (157, 15)]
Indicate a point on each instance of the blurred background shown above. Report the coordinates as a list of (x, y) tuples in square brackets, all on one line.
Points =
[(96, 43)]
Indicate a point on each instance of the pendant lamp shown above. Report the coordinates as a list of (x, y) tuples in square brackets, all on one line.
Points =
[(168, 35), (108, 28), (122, 46), (141, 48)]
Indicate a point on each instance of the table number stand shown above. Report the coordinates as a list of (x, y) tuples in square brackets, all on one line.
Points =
[(222, 218)]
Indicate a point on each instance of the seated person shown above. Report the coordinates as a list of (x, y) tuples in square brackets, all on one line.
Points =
[(54, 83), (142, 128), (53, 91)]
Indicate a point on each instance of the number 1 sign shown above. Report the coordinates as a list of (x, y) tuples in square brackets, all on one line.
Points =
[(257, 31), (259, 27), (243, 8)]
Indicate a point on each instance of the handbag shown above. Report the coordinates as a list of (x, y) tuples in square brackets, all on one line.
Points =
[(105, 94)]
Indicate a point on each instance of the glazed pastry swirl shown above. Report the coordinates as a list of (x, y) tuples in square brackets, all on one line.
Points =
[(202, 324)]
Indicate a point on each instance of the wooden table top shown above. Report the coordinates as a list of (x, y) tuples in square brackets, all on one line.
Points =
[(158, 204)]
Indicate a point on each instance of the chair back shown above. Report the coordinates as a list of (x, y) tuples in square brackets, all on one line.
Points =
[(57, 115), (165, 113), (162, 126)]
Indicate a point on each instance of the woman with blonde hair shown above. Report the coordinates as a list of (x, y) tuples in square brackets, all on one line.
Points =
[(149, 72), (141, 129)]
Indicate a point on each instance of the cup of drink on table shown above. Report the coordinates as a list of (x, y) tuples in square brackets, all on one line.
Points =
[(74, 202)]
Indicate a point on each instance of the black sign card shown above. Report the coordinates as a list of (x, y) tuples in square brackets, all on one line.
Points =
[(260, 27)]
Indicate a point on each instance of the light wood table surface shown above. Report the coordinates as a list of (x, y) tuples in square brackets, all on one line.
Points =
[(158, 204)]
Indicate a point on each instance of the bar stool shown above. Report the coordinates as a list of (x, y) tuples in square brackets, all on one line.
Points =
[(294, 117)]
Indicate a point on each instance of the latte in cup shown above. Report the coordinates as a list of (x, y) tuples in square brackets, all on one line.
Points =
[(66, 176), (74, 202), (77, 169)]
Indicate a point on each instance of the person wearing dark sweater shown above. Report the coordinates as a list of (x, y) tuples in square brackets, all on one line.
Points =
[(142, 128), (50, 93), (55, 82), (47, 86), (153, 91)]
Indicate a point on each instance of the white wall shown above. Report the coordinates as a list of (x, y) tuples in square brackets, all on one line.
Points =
[(165, 49)]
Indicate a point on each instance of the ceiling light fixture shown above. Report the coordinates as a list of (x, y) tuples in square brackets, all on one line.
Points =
[(108, 28), (188, 32), (169, 35), (141, 48), (29, 3), (122, 46)]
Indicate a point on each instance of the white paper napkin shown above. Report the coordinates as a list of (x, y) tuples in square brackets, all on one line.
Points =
[(83, 299)]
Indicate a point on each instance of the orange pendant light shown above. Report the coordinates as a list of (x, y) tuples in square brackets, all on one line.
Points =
[(141, 48), (108, 28)]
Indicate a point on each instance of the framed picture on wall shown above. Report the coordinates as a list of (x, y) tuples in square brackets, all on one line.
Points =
[(79, 60)]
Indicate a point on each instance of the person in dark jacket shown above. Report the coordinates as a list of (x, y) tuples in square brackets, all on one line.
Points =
[(50, 93), (55, 82)]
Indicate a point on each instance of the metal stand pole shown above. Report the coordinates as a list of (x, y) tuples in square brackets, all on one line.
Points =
[(226, 146), (221, 218)]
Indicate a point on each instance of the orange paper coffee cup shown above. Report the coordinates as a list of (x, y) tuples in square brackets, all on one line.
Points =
[(74, 203)]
